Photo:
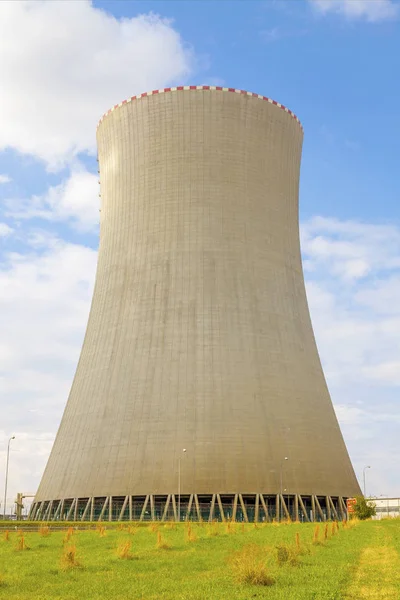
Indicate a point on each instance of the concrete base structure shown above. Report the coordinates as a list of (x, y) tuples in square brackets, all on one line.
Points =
[(249, 508)]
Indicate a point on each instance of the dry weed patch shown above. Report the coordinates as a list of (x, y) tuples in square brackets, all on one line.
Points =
[(316, 540), (249, 567), (44, 531), (102, 531), (212, 529), (69, 559), (21, 543), (287, 555), (161, 545), (124, 550), (190, 534), (298, 545), (68, 535), (230, 527)]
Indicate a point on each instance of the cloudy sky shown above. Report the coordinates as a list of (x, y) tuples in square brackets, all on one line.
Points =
[(335, 63)]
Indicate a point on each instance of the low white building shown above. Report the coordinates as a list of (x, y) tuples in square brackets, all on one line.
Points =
[(386, 507)]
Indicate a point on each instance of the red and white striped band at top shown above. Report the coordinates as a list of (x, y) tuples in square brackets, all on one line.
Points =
[(201, 87)]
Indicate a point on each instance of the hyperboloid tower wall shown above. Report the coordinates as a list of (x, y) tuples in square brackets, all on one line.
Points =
[(199, 390)]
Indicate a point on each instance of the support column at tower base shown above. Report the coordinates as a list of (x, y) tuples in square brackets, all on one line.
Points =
[(251, 508)]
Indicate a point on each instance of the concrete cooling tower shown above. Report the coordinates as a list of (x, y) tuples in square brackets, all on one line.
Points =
[(199, 392)]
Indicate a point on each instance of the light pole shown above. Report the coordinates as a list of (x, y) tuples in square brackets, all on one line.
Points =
[(5, 487), (365, 490), (179, 486), (280, 502)]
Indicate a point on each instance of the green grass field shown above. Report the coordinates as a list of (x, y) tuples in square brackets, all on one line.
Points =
[(205, 562)]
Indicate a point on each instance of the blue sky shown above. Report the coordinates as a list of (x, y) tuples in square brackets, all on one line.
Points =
[(335, 63)]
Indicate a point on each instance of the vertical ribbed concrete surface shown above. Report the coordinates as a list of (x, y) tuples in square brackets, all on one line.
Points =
[(199, 335)]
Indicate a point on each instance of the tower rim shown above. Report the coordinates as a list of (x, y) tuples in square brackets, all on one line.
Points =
[(212, 88)]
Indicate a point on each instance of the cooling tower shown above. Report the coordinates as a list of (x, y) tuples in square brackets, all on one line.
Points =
[(199, 391)]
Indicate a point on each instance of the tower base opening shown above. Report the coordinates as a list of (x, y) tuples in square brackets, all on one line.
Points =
[(251, 508)]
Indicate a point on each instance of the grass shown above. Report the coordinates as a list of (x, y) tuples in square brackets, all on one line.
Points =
[(273, 561)]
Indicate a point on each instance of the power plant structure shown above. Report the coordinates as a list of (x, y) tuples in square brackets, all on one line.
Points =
[(199, 392)]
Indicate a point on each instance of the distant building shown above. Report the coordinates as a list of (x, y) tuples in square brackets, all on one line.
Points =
[(386, 507), (199, 392)]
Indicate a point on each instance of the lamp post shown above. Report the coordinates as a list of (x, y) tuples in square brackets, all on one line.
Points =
[(365, 490), (179, 486), (280, 503), (5, 487)]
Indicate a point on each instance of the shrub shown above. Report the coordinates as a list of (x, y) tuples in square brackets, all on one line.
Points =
[(364, 509), (249, 567)]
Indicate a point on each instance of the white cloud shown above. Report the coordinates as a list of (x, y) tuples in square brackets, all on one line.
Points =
[(370, 10), (353, 279), (352, 274), (379, 295), (4, 179), (5, 230), (44, 303), (74, 200), (63, 64), (387, 373), (350, 249)]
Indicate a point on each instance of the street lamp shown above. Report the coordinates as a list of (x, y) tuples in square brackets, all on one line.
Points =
[(280, 504), (179, 486), (5, 487), (365, 492)]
